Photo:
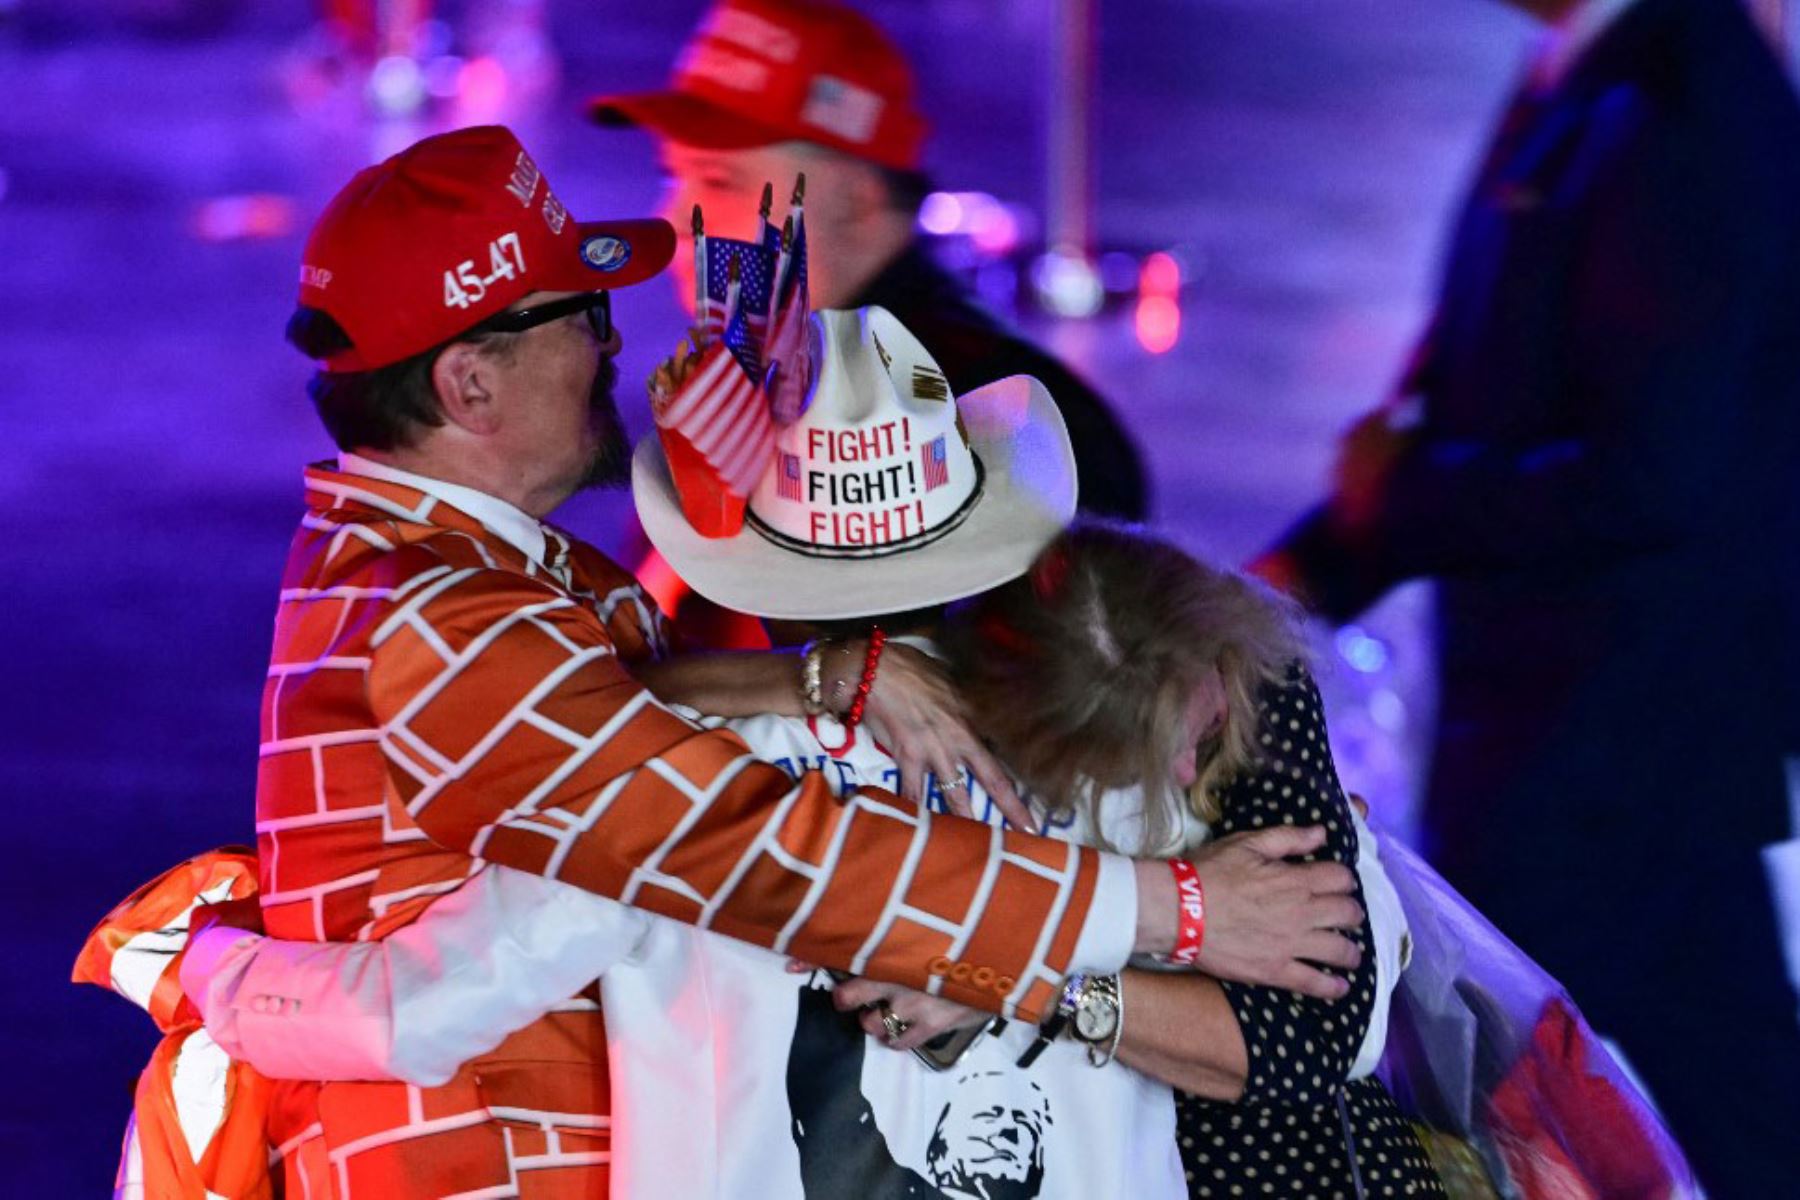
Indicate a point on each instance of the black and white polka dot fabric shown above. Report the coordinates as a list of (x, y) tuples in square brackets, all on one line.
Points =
[(1291, 1132)]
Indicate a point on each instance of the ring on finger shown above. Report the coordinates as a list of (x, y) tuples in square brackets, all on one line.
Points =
[(895, 1025)]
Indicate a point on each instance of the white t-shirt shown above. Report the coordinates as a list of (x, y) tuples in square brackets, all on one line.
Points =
[(733, 1077)]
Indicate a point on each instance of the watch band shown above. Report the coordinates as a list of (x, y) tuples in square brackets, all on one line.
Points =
[(1057, 1021)]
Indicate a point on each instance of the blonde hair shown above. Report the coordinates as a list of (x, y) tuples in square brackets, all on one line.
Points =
[(1081, 670)]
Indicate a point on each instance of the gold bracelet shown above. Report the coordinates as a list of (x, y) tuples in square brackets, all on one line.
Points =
[(812, 688)]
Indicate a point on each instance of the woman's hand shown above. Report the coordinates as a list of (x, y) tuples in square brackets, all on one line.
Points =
[(924, 1017), (915, 712)]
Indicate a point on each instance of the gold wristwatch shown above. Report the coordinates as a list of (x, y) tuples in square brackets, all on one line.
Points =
[(1099, 1017)]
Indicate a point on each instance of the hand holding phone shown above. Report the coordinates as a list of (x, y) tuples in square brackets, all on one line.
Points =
[(941, 1052)]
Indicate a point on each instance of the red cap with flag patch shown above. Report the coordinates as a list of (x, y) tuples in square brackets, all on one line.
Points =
[(447, 233), (763, 71)]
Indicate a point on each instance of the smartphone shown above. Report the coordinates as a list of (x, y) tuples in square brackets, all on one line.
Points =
[(942, 1052)]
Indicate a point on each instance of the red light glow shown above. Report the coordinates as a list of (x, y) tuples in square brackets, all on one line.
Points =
[(1157, 322)]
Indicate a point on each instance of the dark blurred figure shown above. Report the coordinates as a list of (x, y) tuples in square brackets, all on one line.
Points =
[(768, 88), (1596, 457)]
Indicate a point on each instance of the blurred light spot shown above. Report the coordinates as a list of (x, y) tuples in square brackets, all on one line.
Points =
[(1157, 324), (1364, 653), (1388, 711), (993, 228), (1161, 275), (941, 214), (483, 86), (251, 217), (397, 85), (1158, 318), (1067, 284), (996, 232)]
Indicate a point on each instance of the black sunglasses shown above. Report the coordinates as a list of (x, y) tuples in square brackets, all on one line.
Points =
[(597, 306)]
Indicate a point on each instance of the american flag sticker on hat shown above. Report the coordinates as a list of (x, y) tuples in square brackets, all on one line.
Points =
[(932, 464), (839, 107), (787, 484)]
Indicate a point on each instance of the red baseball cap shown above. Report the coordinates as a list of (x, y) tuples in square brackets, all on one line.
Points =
[(763, 71), (448, 232)]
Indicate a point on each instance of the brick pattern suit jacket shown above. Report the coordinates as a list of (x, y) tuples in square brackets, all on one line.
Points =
[(437, 701)]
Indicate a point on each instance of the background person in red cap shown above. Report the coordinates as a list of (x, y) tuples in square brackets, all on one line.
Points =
[(449, 689), (766, 89)]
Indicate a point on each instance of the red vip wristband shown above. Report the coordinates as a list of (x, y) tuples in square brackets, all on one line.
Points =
[(1190, 913)]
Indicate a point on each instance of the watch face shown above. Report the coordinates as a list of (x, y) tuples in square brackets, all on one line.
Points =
[(1094, 1021)]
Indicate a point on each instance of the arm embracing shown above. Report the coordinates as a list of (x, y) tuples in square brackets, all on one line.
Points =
[(477, 965), (512, 733)]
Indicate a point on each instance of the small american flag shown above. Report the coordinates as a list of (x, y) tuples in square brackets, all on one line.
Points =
[(932, 464), (789, 346), (787, 483), (723, 413), (756, 276)]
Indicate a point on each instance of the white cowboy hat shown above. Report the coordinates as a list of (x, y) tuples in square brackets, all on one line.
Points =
[(886, 494)]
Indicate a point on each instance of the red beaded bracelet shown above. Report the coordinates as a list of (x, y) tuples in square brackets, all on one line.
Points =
[(1190, 913), (877, 639)]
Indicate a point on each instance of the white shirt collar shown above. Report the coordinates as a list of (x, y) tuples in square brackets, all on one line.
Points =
[(512, 525), (1573, 36)]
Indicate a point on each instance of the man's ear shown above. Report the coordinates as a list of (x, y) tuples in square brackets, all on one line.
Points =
[(462, 378)]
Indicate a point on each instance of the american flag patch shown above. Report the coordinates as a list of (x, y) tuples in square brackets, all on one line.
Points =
[(787, 481), (932, 464), (839, 107)]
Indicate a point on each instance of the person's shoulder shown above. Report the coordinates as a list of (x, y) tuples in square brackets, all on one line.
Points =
[(1290, 715), (1293, 687), (444, 575)]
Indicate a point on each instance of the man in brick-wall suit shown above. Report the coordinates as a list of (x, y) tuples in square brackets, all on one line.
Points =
[(450, 687)]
